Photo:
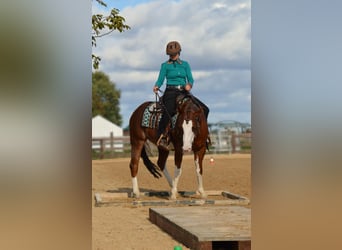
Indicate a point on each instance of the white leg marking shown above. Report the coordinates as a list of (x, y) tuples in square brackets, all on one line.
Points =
[(136, 191), (178, 172), (200, 189), (167, 176)]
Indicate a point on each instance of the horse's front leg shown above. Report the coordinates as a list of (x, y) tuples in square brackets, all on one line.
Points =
[(178, 172), (198, 157)]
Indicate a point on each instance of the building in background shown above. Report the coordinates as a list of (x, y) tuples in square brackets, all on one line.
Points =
[(102, 128)]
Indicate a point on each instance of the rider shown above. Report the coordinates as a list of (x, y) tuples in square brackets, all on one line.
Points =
[(178, 81)]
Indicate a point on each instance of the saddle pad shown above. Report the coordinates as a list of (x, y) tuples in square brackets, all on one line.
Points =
[(152, 116)]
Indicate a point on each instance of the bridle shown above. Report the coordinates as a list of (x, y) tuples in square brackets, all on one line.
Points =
[(192, 115)]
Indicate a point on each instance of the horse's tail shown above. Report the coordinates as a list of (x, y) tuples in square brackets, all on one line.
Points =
[(152, 168)]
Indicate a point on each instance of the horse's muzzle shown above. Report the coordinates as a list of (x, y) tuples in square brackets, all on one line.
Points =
[(187, 149)]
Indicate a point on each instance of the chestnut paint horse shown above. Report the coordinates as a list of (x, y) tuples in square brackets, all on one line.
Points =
[(190, 132)]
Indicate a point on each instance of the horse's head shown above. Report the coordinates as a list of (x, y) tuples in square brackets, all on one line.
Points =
[(191, 125)]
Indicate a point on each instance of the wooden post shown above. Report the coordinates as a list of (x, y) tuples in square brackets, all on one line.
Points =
[(229, 141), (111, 144), (233, 142), (102, 148)]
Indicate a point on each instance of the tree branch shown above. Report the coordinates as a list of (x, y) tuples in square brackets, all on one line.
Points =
[(111, 22)]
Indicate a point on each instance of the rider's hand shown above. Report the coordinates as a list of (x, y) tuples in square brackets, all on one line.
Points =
[(188, 87), (155, 89)]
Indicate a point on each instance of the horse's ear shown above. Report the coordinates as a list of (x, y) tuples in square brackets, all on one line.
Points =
[(179, 104), (179, 98)]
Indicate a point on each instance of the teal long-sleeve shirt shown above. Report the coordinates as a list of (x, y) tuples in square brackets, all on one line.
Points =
[(176, 73)]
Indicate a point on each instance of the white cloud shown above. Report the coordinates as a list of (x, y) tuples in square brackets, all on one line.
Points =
[(215, 39)]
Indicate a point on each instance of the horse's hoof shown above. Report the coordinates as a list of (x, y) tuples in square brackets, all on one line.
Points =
[(173, 196), (135, 195), (202, 194)]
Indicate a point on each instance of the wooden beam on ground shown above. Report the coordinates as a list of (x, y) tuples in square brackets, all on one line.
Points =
[(188, 198)]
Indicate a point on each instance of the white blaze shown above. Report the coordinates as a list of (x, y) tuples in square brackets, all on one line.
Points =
[(188, 135)]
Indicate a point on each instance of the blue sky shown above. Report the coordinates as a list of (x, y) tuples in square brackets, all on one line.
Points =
[(121, 4), (215, 38)]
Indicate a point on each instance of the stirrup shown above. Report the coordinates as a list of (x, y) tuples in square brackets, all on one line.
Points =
[(162, 142)]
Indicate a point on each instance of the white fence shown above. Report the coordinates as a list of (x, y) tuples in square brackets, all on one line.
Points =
[(225, 141), (111, 145), (222, 142)]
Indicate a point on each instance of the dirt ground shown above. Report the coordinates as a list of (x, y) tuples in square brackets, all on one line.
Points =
[(128, 227)]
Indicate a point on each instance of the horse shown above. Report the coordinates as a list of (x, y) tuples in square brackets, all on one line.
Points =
[(190, 133)]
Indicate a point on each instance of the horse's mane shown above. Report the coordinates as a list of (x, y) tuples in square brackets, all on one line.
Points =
[(184, 100)]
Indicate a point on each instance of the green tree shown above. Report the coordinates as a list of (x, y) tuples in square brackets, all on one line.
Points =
[(105, 98), (103, 25)]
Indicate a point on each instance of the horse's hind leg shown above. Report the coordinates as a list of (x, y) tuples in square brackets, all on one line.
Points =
[(162, 157), (133, 165)]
